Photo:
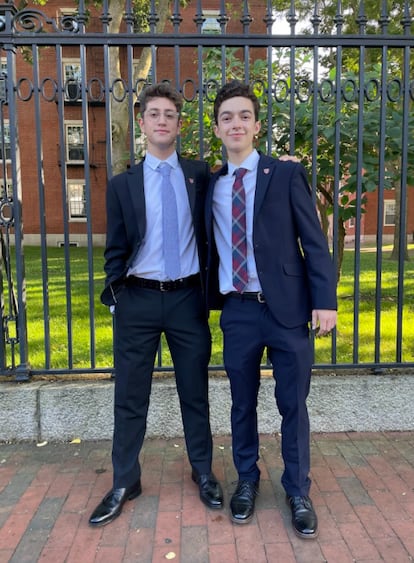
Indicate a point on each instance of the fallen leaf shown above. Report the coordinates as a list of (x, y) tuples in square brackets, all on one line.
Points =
[(75, 441), (170, 555), (41, 444)]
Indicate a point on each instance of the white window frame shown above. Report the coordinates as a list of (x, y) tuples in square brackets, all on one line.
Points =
[(3, 75), (63, 12), (71, 145), (389, 210), (75, 200), (72, 77), (7, 145)]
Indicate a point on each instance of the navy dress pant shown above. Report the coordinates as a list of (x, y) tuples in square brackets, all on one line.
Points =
[(249, 329)]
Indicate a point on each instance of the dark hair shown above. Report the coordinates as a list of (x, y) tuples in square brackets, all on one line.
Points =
[(161, 90), (233, 89)]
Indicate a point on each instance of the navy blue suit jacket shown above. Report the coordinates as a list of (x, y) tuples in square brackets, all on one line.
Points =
[(293, 261), (126, 220)]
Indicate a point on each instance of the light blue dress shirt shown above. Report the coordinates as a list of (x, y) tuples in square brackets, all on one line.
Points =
[(149, 262)]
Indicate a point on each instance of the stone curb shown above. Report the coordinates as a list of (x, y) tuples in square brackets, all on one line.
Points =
[(61, 411)]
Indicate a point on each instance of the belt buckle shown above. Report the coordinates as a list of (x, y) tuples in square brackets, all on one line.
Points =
[(260, 297), (162, 286)]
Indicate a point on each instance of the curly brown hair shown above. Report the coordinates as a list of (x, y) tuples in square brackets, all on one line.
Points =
[(233, 89), (160, 90)]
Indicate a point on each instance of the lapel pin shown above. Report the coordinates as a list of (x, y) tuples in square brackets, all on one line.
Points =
[(191, 180), (266, 170)]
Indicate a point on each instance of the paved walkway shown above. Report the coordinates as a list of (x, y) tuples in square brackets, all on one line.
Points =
[(363, 490)]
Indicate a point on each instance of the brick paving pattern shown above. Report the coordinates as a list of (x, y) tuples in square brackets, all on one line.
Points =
[(363, 491)]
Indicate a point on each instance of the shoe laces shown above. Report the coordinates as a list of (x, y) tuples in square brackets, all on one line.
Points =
[(301, 503), (246, 489)]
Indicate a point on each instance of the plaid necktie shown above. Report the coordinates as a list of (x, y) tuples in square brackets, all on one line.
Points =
[(170, 242), (238, 232)]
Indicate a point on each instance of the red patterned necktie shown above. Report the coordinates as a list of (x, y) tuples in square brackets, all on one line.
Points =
[(238, 232)]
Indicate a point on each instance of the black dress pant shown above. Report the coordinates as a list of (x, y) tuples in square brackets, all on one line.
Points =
[(141, 316)]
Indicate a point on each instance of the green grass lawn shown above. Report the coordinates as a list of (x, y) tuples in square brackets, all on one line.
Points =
[(87, 333)]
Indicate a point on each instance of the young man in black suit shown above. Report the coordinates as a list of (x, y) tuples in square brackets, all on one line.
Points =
[(275, 275), (158, 288)]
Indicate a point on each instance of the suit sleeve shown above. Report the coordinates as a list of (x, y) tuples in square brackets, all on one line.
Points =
[(319, 265), (117, 248)]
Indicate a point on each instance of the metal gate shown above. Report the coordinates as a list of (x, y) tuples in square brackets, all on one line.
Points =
[(336, 89)]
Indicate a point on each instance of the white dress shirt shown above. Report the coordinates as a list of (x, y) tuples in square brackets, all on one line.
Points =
[(222, 213)]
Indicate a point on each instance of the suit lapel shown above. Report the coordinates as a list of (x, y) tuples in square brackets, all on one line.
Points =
[(136, 189), (190, 181), (265, 170), (210, 192)]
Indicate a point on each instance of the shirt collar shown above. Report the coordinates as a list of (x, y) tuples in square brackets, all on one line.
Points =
[(250, 163), (153, 161)]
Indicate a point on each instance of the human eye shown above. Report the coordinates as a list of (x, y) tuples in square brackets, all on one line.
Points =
[(153, 114), (170, 115)]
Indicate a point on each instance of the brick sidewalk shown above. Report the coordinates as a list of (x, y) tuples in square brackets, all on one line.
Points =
[(363, 490)]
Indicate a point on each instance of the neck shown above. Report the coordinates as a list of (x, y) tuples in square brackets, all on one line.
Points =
[(162, 153), (236, 157)]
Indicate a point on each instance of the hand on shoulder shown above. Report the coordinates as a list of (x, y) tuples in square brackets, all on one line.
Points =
[(287, 157)]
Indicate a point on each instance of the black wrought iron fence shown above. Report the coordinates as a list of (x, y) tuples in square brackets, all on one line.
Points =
[(336, 89)]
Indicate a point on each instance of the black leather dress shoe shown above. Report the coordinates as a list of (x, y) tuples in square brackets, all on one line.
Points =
[(242, 501), (112, 503), (304, 519), (211, 493)]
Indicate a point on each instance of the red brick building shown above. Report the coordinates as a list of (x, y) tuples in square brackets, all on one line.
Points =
[(60, 181)]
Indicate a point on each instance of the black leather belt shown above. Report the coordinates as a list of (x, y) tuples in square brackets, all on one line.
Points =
[(182, 283), (251, 295)]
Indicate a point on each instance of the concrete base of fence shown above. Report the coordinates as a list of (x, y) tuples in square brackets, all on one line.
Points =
[(62, 411)]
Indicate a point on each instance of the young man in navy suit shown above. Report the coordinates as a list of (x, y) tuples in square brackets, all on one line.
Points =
[(275, 275), (151, 296)]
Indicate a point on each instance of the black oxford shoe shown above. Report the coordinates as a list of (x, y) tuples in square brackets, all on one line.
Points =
[(242, 501), (304, 519), (112, 503), (211, 493)]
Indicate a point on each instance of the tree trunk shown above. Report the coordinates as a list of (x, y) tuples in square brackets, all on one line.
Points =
[(341, 248), (397, 229), (323, 216), (120, 109)]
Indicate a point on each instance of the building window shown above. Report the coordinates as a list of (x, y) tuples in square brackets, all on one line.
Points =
[(66, 18), (5, 146), (75, 151), (72, 75), (3, 77), (389, 213), (77, 200), (6, 190), (210, 24)]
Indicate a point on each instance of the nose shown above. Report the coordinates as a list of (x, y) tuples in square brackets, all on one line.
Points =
[(237, 123)]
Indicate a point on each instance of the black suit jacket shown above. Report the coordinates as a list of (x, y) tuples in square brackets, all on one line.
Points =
[(293, 262), (126, 220)]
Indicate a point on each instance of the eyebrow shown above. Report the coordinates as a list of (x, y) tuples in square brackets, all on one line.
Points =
[(228, 112)]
